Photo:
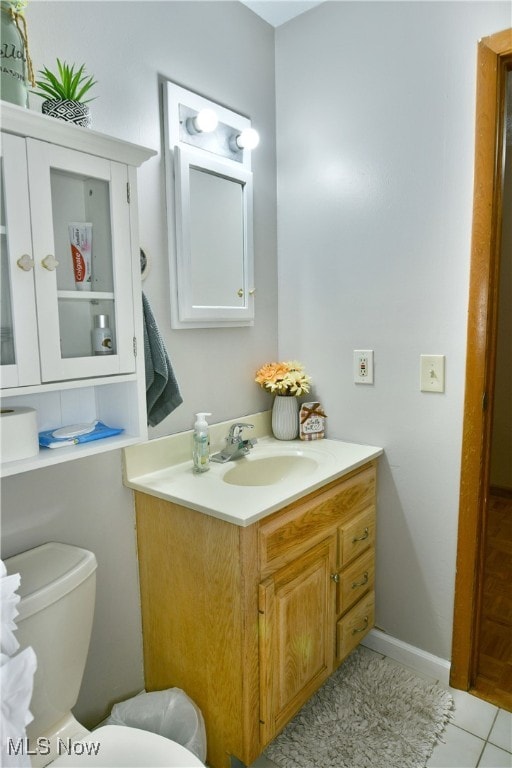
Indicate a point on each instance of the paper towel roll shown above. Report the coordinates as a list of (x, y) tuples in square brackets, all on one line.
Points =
[(18, 433)]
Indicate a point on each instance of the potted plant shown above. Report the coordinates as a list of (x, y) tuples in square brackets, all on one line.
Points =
[(64, 92)]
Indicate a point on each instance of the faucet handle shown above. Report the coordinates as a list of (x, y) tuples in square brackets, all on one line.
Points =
[(236, 430)]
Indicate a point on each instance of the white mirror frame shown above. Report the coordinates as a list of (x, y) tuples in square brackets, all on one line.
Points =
[(180, 158), (240, 312)]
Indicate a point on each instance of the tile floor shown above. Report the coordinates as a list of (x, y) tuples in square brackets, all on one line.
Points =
[(478, 736)]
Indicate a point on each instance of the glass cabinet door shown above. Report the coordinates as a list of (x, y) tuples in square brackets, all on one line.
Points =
[(82, 250), (19, 355)]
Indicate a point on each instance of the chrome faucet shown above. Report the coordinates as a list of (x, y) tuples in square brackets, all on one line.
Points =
[(236, 446)]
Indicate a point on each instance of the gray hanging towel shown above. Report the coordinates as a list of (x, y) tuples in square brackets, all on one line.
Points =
[(162, 391)]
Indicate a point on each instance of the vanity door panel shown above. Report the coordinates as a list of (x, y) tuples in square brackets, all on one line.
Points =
[(296, 607)]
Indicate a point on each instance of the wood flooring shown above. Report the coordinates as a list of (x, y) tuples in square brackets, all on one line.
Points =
[(494, 665)]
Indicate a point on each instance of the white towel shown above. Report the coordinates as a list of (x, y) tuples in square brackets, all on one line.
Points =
[(16, 677), (9, 600), (17, 682)]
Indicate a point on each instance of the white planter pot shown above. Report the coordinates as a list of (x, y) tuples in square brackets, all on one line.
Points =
[(70, 111), (285, 417)]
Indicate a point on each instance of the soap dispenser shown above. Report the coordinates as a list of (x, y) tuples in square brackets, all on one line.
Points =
[(201, 448)]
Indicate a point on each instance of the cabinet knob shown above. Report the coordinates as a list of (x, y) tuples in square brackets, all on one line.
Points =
[(252, 291), (50, 263), (335, 577), (25, 262), (240, 292)]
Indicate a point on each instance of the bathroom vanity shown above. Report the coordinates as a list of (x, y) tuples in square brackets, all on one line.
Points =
[(251, 616)]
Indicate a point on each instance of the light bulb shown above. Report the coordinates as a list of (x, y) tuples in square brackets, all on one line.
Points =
[(248, 139), (205, 121)]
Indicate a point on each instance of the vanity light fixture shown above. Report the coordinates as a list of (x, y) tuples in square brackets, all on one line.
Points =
[(249, 138), (205, 121), (193, 121)]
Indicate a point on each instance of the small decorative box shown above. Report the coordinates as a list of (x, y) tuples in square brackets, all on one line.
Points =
[(312, 421)]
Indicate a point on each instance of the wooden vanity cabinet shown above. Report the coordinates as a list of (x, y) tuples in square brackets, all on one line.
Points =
[(249, 622)]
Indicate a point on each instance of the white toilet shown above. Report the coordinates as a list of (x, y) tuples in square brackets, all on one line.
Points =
[(58, 585)]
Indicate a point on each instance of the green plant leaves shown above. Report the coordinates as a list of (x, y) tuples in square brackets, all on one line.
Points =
[(65, 84)]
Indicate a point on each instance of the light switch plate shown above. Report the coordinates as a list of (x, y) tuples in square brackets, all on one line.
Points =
[(432, 373)]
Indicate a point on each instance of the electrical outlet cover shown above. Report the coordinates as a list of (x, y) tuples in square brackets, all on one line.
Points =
[(363, 366)]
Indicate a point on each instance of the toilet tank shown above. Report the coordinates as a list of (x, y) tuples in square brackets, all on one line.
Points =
[(57, 590)]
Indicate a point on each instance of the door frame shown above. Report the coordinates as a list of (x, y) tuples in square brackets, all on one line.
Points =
[(494, 58)]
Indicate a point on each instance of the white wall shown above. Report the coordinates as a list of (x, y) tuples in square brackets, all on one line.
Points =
[(375, 118), (225, 52)]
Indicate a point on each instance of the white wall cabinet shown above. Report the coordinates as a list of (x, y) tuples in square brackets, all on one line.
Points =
[(54, 174), (210, 215)]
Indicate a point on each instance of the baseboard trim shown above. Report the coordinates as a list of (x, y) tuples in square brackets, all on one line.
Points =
[(422, 662)]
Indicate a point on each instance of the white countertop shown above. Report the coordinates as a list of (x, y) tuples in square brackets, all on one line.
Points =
[(245, 504)]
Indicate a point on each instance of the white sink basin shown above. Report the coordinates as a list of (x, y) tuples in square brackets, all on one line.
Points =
[(273, 474), (270, 470)]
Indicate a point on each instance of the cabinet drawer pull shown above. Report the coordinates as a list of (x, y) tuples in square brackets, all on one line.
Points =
[(50, 263), (25, 262), (361, 583), (361, 629), (335, 577), (363, 537)]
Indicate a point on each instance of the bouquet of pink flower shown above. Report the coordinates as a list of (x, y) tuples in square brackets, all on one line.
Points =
[(288, 378)]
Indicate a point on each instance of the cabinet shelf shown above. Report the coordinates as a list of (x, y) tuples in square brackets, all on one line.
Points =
[(49, 456), (57, 386), (86, 295), (110, 400)]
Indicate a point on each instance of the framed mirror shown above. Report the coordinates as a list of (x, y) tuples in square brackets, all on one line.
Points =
[(210, 202), (214, 265)]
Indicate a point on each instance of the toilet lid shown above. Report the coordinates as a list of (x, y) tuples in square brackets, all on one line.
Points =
[(117, 746)]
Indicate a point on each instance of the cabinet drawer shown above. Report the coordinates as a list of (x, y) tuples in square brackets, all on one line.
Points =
[(355, 580), (351, 629), (290, 532), (355, 536)]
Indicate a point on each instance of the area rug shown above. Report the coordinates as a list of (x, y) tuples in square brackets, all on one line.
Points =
[(371, 713)]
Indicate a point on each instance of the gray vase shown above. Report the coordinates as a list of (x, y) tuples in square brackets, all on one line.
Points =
[(70, 111), (13, 70)]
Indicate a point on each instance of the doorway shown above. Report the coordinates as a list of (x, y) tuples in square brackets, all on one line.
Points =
[(479, 511)]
